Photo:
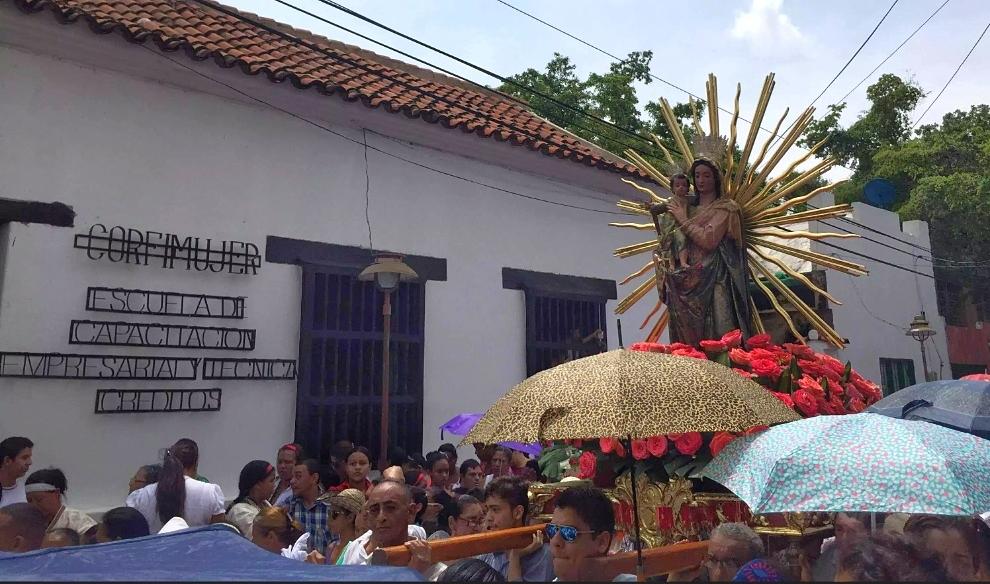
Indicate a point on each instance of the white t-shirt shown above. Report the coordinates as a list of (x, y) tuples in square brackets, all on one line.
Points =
[(355, 554), (203, 501), (14, 494)]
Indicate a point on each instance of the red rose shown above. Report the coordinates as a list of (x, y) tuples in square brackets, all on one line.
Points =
[(649, 347), (620, 450), (806, 403), (639, 450), (577, 443), (657, 446), (784, 398), (853, 393), (800, 351), (688, 443), (720, 441), (714, 346), (856, 405), (869, 390), (739, 357), (677, 347), (587, 465), (690, 352), (766, 368), (743, 373), (673, 437), (732, 339), (755, 430), (833, 364), (758, 342), (608, 445), (811, 386), (834, 388), (811, 368)]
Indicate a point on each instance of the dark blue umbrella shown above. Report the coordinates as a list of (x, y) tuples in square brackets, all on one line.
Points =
[(959, 404), (211, 553)]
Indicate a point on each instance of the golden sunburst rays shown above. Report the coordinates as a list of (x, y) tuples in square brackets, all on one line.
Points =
[(764, 195)]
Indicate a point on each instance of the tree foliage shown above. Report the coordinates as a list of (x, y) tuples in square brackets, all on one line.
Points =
[(941, 172)]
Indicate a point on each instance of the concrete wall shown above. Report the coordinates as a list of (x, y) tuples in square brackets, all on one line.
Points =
[(126, 151)]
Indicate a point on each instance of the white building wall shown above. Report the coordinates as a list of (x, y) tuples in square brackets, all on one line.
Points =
[(126, 151)]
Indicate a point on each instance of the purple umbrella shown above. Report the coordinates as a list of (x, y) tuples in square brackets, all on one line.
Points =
[(461, 424)]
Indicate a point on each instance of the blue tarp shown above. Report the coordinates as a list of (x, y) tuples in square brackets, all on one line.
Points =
[(204, 554)]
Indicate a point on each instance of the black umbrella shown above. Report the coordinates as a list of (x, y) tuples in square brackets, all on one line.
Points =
[(963, 405)]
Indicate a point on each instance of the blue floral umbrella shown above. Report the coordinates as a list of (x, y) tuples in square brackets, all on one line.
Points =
[(859, 462)]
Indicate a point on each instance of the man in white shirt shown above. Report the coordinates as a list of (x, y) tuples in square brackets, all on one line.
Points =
[(390, 509), (15, 461)]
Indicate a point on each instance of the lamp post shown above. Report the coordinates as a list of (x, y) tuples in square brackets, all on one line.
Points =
[(921, 332), (387, 272)]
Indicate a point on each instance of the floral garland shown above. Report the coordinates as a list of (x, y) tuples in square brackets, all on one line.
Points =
[(810, 383)]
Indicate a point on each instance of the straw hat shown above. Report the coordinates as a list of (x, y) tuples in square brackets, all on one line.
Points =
[(351, 500)]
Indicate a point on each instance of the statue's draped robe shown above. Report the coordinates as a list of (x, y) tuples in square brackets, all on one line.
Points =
[(711, 297)]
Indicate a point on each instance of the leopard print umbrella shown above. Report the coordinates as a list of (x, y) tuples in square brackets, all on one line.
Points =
[(628, 393)]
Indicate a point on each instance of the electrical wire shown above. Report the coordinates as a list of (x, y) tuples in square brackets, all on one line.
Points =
[(963, 62), (367, 189), (892, 53), (464, 62), (376, 149), (342, 57), (662, 80)]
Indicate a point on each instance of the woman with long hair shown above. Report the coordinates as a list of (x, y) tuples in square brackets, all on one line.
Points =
[(464, 515), (177, 494), (254, 486), (45, 490)]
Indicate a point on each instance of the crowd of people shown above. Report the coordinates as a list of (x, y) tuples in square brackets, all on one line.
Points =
[(338, 515)]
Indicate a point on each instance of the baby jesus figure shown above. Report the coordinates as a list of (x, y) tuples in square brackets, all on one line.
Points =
[(672, 249)]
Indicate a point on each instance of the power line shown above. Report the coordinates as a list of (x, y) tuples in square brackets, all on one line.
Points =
[(492, 74), (376, 149), (662, 80), (892, 53), (963, 62), (844, 67), (354, 63)]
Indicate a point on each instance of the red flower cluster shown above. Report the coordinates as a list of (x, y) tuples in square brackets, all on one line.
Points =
[(810, 383)]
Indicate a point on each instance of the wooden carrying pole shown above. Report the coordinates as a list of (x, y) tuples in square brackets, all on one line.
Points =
[(656, 561), (455, 548)]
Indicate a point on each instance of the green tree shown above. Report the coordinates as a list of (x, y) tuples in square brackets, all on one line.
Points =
[(610, 96)]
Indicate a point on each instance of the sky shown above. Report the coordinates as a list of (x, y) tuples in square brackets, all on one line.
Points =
[(805, 43)]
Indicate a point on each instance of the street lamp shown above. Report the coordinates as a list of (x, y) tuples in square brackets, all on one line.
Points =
[(387, 272), (921, 332)]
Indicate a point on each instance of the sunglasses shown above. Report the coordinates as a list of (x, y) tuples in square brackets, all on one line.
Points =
[(568, 533)]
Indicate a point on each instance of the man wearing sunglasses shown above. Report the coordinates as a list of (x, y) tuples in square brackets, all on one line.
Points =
[(582, 527)]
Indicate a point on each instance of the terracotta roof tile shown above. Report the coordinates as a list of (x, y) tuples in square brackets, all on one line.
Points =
[(333, 67)]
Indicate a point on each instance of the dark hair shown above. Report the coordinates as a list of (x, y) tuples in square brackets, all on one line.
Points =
[(513, 490), (506, 451), (151, 473), (11, 447), (125, 523), (50, 476), (397, 456), (433, 458), (170, 496), (887, 558), (418, 495), (66, 533), (356, 449), (916, 529), (294, 448), (455, 508), (312, 465), (340, 450), (449, 449), (253, 473), (468, 465), (591, 505), (677, 176), (471, 570), (418, 460), (27, 521), (328, 477), (715, 172), (478, 493)]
